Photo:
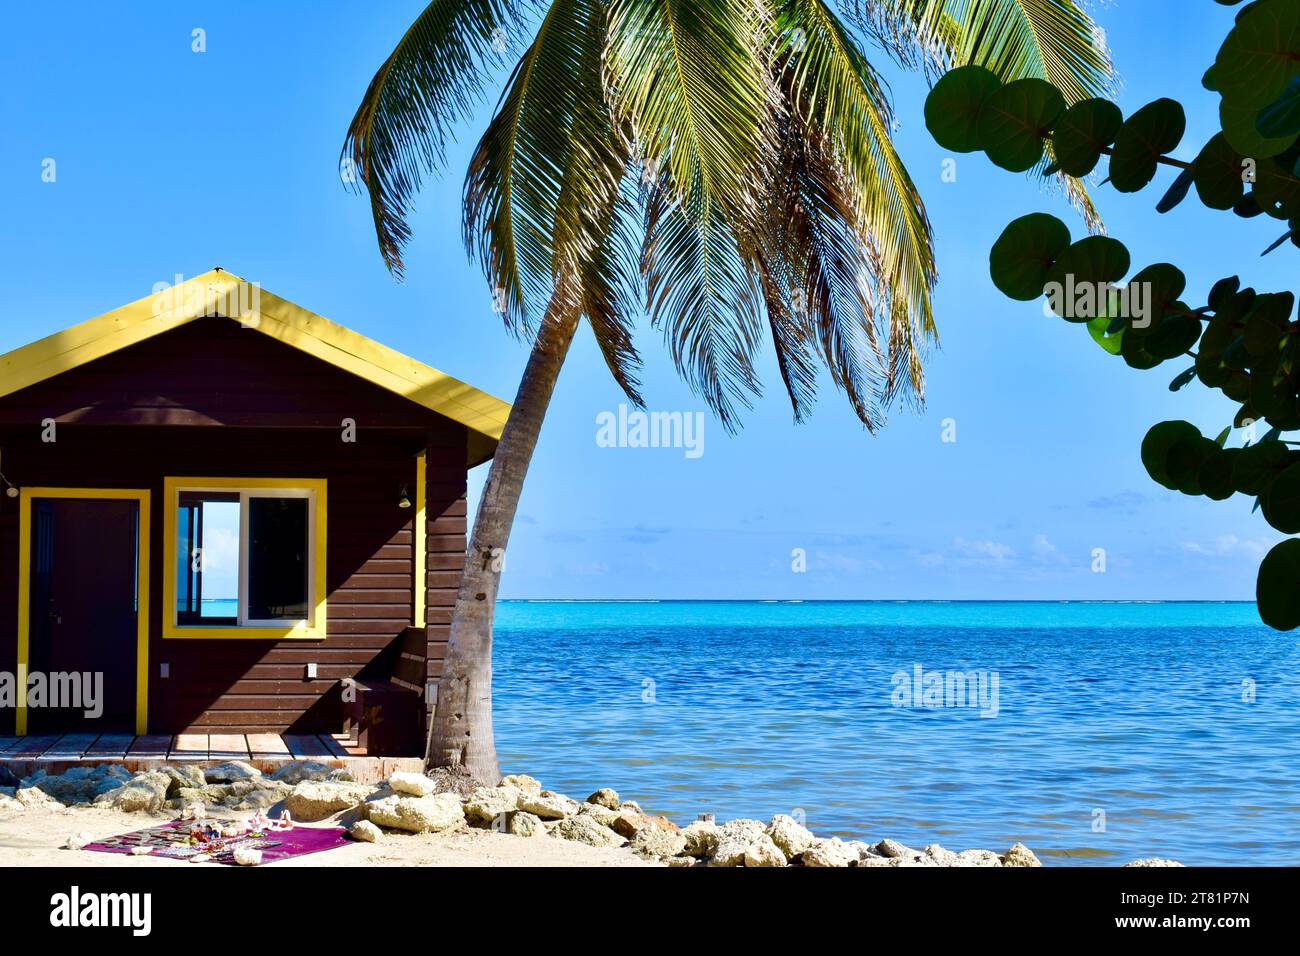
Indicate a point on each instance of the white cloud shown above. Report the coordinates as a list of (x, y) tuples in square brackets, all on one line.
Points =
[(1045, 552), (1229, 546), (992, 552)]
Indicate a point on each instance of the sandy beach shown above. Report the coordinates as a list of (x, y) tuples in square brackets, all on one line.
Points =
[(36, 837)]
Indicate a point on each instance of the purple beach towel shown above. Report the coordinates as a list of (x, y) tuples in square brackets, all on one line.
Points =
[(171, 840)]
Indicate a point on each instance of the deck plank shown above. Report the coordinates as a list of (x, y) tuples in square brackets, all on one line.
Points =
[(150, 745), (190, 747), (349, 744), (110, 746), (306, 745), (33, 746), (7, 744), (228, 747), (267, 745), (330, 744), (70, 747)]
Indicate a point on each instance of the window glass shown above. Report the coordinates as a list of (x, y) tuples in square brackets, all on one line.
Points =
[(207, 558), (242, 557), (277, 558)]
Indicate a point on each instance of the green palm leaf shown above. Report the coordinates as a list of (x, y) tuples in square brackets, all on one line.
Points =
[(689, 81), (433, 79), (835, 272), (843, 116), (1054, 40), (701, 292), (547, 168)]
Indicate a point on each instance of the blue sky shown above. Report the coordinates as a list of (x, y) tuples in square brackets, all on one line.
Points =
[(171, 161)]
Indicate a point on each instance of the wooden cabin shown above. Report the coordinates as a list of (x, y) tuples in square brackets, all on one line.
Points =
[(248, 519)]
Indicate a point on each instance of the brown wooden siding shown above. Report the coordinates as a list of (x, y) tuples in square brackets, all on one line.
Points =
[(445, 559), (188, 384)]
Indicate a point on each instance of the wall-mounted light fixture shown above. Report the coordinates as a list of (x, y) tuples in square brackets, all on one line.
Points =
[(404, 498), (10, 488)]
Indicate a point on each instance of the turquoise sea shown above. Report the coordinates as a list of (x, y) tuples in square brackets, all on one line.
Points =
[(1118, 730)]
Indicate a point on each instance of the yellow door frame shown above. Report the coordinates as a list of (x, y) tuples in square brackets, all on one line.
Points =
[(141, 497), (420, 539)]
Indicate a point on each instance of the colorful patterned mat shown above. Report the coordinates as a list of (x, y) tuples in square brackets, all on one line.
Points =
[(175, 841)]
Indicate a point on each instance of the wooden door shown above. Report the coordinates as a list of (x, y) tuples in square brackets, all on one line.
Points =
[(84, 597)]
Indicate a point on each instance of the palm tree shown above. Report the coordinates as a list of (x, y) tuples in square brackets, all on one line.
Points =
[(722, 165)]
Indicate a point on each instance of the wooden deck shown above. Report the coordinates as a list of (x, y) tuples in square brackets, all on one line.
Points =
[(267, 752)]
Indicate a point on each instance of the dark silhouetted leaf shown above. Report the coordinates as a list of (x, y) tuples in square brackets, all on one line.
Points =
[(1087, 128), (1148, 134), (1177, 192), (952, 110), (1023, 255), (1183, 379), (1277, 588), (1014, 121), (1258, 58), (1217, 171)]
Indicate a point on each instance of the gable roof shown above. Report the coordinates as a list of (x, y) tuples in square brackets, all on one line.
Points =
[(226, 294)]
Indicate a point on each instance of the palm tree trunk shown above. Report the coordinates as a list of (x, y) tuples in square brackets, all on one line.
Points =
[(461, 732)]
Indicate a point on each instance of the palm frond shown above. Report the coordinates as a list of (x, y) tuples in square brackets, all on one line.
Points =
[(689, 80), (1054, 40), (793, 338), (838, 273), (844, 119), (701, 292), (432, 80), (692, 86), (612, 293), (546, 166)]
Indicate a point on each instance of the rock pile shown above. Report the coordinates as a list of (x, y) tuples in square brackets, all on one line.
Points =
[(450, 800), (234, 785)]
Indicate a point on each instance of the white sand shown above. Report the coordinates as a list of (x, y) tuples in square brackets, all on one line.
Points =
[(36, 838)]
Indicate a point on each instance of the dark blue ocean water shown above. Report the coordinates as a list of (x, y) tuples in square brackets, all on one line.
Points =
[(1173, 726)]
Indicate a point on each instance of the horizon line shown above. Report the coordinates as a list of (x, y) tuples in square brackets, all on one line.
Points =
[(630, 600)]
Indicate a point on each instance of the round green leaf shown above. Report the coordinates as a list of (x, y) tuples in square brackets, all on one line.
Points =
[(1020, 259), (1173, 336), (1078, 280), (1148, 134), (1237, 386), (1112, 342), (1210, 368), (1217, 174), (1261, 54), (1184, 461), (1277, 588), (1272, 390), (1282, 117), (1014, 121), (1133, 351), (1215, 476), (952, 109), (1247, 208), (1161, 284), (1266, 322), (1277, 189), (1222, 289), (1280, 501), (1238, 124), (1160, 438), (1257, 465), (1087, 128)]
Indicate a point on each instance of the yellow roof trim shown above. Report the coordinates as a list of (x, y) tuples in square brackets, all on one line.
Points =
[(483, 414)]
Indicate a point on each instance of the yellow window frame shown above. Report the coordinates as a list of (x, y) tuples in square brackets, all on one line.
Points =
[(141, 498), (313, 630)]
